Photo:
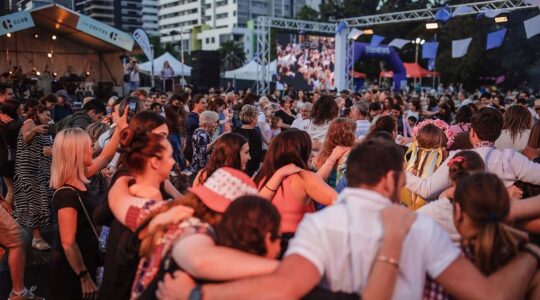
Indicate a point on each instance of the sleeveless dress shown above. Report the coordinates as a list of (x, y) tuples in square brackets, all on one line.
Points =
[(33, 196)]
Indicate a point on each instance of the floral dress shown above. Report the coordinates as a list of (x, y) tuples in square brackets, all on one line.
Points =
[(153, 268), (201, 155)]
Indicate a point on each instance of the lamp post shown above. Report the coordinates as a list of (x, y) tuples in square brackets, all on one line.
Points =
[(173, 33), (418, 41)]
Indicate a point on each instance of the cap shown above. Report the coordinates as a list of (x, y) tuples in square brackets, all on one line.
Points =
[(224, 186)]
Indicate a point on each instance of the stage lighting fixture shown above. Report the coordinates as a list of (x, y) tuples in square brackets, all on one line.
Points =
[(8, 35), (432, 25), (368, 31), (36, 35), (502, 19), (53, 37), (49, 55)]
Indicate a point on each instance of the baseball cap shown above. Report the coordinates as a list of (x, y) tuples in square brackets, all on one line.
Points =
[(224, 186)]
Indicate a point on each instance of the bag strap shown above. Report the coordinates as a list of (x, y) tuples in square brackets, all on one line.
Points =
[(83, 207)]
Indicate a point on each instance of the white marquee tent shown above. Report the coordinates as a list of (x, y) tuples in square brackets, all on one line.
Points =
[(176, 65), (249, 71)]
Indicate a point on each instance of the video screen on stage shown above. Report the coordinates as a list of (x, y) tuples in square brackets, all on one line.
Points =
[(305, 62)]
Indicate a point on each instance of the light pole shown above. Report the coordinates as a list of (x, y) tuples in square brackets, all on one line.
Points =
[(418, 41)]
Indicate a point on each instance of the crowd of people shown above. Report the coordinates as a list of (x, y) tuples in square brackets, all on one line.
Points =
[(301, 194), (308, 64)]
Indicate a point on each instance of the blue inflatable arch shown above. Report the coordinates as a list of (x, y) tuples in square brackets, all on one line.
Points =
[(389, 54)]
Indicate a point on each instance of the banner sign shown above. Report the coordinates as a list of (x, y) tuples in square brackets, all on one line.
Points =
[(105, 32), (15, 22), (142, 39)]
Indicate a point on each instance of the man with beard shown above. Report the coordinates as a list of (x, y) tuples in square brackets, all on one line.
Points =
[(337, 247)]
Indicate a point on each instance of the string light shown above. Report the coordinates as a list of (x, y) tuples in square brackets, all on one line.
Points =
[(8, 35), (55, 74), (53, 37), (36, 35), (49, 55), (38, 73)]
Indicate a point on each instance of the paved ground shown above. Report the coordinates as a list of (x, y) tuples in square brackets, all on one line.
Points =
[(37, 267)]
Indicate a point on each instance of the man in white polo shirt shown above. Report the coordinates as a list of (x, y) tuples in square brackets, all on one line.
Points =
[(337, 247)]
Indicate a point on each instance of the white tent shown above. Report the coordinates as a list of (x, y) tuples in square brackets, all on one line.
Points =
[(176, 65), (249, 71)]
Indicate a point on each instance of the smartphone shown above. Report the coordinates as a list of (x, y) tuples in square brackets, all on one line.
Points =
[(132, 109)]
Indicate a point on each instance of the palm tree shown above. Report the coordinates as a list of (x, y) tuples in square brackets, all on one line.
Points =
[(232, 55)]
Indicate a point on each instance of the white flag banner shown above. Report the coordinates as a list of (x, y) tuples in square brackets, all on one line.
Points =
[(460, 47), (532, 26), (142, 39), (398, 43), (354, 34), (463, 9)]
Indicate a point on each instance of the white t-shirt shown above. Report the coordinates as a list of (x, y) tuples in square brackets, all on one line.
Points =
[(103, 139), (442, 211), (343, 240), (505, 140)]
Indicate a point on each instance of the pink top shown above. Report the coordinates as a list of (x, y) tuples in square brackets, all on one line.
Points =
[(461, 127), (292, 211)]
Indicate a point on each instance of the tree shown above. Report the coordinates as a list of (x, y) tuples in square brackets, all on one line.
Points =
[(232, 55), (308, 14)]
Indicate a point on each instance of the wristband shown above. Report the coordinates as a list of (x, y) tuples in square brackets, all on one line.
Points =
[(388, 260), (270, 188), (196, 293)]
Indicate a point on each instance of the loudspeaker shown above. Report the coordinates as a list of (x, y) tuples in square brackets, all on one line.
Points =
[(205, 72)]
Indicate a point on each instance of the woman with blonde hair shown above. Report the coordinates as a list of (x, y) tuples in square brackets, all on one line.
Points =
[(331, 161), (516, 129), (248, 117), (75, 256), (167, 74), (202, 139)]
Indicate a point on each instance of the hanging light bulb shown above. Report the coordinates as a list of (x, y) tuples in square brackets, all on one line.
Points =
[(49, 55), (38, 73), (8, 35), (36, 35), (55, 74), (53, 37)]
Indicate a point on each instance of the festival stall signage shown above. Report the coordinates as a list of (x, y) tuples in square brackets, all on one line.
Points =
[(15, 22), (105, 32)]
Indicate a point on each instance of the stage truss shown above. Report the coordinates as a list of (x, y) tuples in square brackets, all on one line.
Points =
[(266, 24)]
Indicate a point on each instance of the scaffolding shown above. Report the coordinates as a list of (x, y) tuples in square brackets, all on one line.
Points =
[(265, 25)]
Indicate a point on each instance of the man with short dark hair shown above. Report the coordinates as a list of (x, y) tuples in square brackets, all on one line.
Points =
[(508, 164), (192, 122), (92, 111), (337, 247)]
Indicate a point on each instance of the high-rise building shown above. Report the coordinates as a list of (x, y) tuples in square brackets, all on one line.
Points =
[(101, 10), (126, 15), (150, 17), (224, 19), (31, 4)]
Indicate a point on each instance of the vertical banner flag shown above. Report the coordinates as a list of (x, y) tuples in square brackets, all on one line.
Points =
[(398, 43), (429, 50), (495, 39), (376, 40), (142, 39), (460, 47), (342, 25), (532, 26)]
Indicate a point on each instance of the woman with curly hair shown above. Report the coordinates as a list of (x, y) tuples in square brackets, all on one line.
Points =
[(325, 110), (332, 160)]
